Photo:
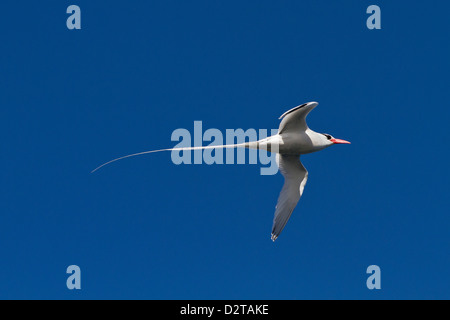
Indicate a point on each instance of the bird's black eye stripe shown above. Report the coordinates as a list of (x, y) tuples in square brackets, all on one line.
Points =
[(327, 135)]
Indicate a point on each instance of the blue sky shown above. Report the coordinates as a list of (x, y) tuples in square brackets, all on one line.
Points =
[(145, 228)]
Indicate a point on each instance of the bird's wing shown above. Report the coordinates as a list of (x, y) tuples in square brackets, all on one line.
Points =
[(294, 120), (295, 176)]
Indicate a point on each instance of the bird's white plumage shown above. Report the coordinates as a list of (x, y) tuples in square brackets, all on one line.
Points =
[(295, 177), (294, 138), (294, 120)]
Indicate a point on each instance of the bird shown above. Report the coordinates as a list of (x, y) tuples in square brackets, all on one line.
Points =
[(293, 139)]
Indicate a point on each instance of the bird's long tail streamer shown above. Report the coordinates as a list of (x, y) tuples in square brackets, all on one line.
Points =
[(239, 145)]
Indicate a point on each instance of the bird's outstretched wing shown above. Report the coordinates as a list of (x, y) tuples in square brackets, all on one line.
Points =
[(295, 176), (294, 120)]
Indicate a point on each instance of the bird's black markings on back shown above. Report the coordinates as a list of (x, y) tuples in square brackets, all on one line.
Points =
[(292, 110)]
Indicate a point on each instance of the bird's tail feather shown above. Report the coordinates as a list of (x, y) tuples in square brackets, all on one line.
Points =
[(239, 145)]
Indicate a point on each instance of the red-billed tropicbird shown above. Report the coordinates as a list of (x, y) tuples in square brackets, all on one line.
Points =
[(293, 139)]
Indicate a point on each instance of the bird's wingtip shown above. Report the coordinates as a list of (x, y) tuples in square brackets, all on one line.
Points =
[(312, 104), (273, 237)]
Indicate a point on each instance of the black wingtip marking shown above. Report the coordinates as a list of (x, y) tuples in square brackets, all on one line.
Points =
[(292, 110)]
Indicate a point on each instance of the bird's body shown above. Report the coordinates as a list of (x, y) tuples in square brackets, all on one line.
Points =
[(291, 143), (293, 139)]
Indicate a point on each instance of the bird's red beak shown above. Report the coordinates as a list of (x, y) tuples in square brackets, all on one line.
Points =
[(338, 141)]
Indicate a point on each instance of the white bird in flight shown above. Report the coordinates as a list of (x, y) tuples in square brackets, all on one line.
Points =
[(293, 139)]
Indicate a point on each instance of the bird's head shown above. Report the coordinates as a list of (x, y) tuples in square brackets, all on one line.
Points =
[(329, 140)]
